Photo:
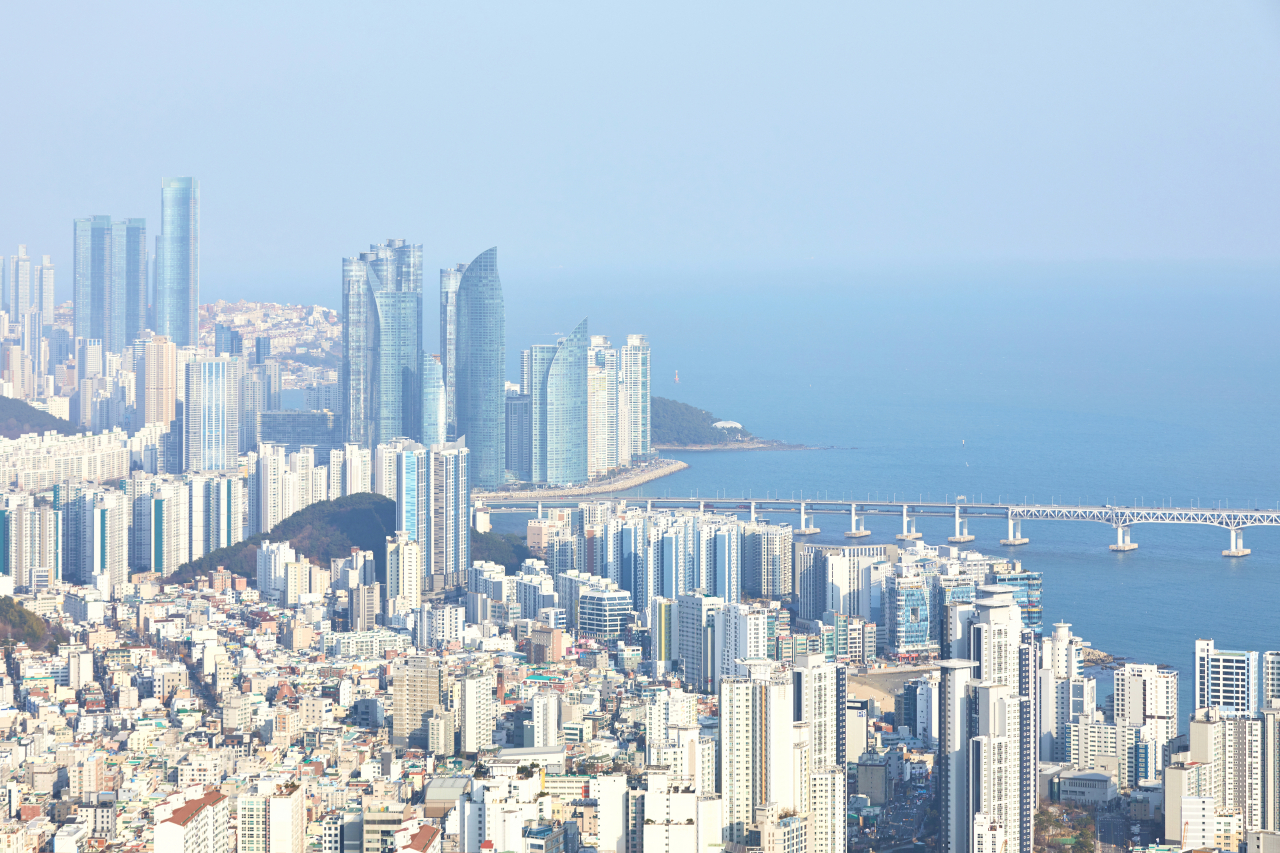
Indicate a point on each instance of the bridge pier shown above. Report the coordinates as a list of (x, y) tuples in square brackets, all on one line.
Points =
[(805, 530), (1237, 548), (962, 529), (856, 527), (908, 526), (1122, 539), (1015, 533)]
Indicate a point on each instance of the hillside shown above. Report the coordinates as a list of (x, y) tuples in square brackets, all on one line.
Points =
[(19, 624), (507, 550), (678, 424), (320, 532), (17, 418)]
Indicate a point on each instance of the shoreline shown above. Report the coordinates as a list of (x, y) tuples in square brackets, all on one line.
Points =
[(652, 471), (738, 446)]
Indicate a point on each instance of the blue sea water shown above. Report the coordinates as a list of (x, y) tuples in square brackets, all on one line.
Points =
[(1085, 384)]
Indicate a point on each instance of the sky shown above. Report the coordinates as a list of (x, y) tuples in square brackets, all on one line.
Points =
[(657, 152)]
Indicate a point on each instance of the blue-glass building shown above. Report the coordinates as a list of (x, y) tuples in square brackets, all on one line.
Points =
[(434, 423), (382, 343), (481, 369), (557, 380), (567, 410), (109, 280), (178, 262)]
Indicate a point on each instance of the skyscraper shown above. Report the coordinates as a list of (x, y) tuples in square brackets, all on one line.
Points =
[(1146, 694), (558, 389), (633, 399), (602, 407), (481, 369), (987, 750), (519, 435), (212, 413), (178, 261), (157, 382), (433, 507), (434, 416), (382, 343), (42, 293), (1225, 678), (450, 279), (20, 284), (109, 280)]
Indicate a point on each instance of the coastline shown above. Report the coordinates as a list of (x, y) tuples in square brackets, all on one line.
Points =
[(628, 480), (735, 446)]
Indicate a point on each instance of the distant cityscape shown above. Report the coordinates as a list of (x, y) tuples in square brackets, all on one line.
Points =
[(252, 598)]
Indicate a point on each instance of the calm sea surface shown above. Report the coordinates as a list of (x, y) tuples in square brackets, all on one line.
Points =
[(1121, 386)]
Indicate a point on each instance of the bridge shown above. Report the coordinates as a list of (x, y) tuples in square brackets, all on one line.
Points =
[(1122, 518)]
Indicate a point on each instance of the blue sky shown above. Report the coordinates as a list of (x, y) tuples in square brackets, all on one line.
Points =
[(658, 142)]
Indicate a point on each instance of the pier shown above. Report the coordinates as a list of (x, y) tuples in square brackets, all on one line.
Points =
[(1122, 518)]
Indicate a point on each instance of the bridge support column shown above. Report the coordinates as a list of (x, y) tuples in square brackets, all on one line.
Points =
[(962, 529), (539, 510), (856, 529), (1237, 548), (1122, 539), (908, 526), (805, 529), (1015, 533)]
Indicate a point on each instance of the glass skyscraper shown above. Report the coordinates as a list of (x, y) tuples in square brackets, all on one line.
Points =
[(109, 280), (382, 343), (557, 380), (178, 262), (480, 373), (449, 281), (567, 410), (433, 401)]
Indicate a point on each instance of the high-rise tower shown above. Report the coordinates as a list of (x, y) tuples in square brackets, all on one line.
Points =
[(558, 388), (450, 279), (481, 369), (987, 745), (382, 343), (109, 280), (178, 262)]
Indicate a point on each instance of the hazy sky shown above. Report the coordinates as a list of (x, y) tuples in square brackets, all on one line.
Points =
[(654, 142)]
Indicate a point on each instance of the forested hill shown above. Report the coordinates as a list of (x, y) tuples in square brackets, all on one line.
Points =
[(677, 424), (17, 418), (320, 532), (18, 624)]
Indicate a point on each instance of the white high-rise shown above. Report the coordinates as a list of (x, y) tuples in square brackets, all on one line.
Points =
[(815, 685), (544, 709), (1147, 694), (602, 407), (742, 633), (1226, 679), (633, 400), (695, 639), (987, 748), (1066, 696), (404, 574), (477, 712), (1270, 677)]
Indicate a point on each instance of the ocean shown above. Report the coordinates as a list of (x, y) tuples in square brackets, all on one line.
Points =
[(1105, 384)]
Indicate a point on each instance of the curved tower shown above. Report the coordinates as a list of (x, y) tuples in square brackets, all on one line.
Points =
[(567, 410), (480, 372)]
